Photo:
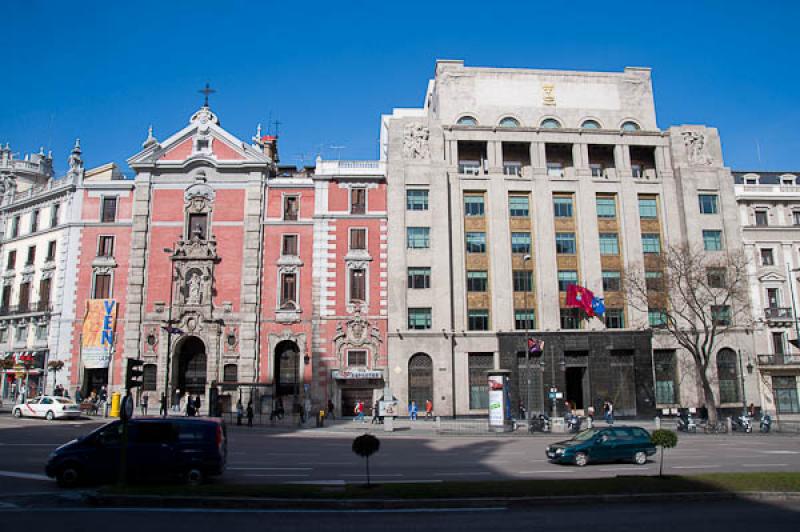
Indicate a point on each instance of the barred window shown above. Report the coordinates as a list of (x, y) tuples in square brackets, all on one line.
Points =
[(419, 318)]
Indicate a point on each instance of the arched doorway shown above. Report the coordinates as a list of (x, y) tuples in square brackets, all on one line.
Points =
[(190, 362), (728, 376), (287, 368), (420, 379)]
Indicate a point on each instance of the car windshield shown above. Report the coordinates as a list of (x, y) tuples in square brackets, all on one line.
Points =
[(587, 434)]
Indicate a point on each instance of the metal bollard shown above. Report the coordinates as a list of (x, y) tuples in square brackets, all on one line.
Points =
[(438, 424), (729, 423), (658, 423)]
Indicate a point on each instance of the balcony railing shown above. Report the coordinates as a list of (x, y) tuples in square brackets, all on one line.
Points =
[(778, 360), (512, 169), (778, 314), (41, 306)]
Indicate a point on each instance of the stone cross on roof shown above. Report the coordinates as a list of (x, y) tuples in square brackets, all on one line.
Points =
[(206, 91)]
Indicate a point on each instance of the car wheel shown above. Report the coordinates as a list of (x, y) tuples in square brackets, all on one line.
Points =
[(18, 412), (581, 459), (194, 476), (50, 415), (69, 476), (640, 458)]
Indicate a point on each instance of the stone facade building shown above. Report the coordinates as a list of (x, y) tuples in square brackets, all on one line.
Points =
[(510, 184)]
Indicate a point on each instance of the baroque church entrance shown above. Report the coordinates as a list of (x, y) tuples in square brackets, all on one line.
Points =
[(190, 366)]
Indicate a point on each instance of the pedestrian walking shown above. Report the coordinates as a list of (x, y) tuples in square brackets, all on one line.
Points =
[(162, 408), (190, 408), (331, 413), (413, 411), (360, 411), (196, 405), (375, 414), (239, 412), (143, 403), (608, 412), (78, 396), (176, 401), (428, 409), (250, 414)]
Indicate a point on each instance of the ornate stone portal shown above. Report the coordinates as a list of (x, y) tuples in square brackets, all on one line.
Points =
[(359, 333)]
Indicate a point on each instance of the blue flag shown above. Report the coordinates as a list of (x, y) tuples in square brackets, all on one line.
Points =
[(598, 306)]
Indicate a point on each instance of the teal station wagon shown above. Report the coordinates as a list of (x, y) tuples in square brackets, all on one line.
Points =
[(603, 445)]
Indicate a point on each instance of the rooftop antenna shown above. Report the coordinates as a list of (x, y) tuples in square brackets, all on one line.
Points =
[(277, 124), (338, 150), (269, 123)]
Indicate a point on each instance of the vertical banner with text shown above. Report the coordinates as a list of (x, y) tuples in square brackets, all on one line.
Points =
[(99, 325)]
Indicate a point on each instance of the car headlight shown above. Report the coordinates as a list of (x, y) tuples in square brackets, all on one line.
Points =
[(559, 451)]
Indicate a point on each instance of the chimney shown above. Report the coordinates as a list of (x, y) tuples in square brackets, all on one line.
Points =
[(270, 144)]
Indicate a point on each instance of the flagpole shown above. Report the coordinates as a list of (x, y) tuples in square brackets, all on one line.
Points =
[(169, 330), (525, 260)]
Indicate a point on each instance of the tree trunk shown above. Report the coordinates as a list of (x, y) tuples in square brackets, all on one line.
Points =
[(661, 465), (708, 396)]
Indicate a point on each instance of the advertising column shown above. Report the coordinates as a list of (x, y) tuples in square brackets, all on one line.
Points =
[(499, 407)]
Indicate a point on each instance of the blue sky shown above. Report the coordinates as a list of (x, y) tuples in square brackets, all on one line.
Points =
[(104, 71)]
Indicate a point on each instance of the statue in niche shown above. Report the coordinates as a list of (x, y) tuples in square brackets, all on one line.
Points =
[(194, 289)]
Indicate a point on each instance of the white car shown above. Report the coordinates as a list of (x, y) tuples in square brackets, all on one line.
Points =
[(48, 407)]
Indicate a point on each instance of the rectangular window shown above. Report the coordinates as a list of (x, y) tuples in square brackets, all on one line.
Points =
[(612, 281), (54, 214), (786, 397), (44, 294), (288, 291), (656, 317), (358, 285), (478, 320), (419, 278), (523, 280), (708, 204), (24, 296), (606, 207), (15, 227), (562, 207), (636, 170), (41, 332), (796, 217), (473, 205), (767, 258), (565, 243), (4, 334), (418, 237), (609, 244), (416, 200), (357, 358), (615, 318), (358, 239), (476, 242), (524, 319), (715, 277), (289, 245), (51, 251), (358, 200), (555, 169), (102, 286), (712, 240), (291, 208), (31, 256), (762, 218), (651, 243), (570, 318), (519, 206), (597, 169), (419, 318), (477, 281), (654, 281), (198, 226), (666, 376), (648, 209), (105, 246), (521, 243), (566, 278), (34, 221), (479, 364), (11, 261), (6, 302), (773, 298), (22, 334), (108, 211), (721, 315)]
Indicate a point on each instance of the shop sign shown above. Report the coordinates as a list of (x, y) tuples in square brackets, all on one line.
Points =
[(357, 374)]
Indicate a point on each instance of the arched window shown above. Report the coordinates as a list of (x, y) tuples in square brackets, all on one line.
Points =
[(149, 377), (509, 122), (467, 121), (550, 123), (590, 124), (728, 376), (630, 125), (420, 379)]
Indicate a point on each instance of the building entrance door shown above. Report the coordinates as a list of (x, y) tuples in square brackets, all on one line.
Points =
[(574, 377), (350, 396), (191, 366), (287, 369)]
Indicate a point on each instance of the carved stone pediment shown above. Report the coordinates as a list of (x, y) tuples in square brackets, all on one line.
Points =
[(196, 248), (772, 277), (357, 332)]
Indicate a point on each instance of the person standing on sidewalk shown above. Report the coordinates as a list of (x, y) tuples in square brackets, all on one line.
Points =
[(360, 410), (250, 414), (196, 404), (176, 401), (608, 412), (162, 410), (143, 403), (239, 412), (413, 411), (331, 413), (428, 409), (375, 412)]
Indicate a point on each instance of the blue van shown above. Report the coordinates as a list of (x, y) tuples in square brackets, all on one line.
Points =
[(603, 445), (191, 449)]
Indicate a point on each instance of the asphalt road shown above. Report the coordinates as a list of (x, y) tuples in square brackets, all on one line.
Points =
[(265, 456), (729, 516)]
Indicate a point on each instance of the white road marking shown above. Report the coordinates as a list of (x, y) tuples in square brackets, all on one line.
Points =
[(374, 475), (261, 511), (470, 473), (27, 476), (281, 475), (779, 452), (765, 465), (269, 468), (546, 471), (695, 467), (632, 468)]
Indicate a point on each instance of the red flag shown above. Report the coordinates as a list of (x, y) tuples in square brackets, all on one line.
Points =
[(580, 297)]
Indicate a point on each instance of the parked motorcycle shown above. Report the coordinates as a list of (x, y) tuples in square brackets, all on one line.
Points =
[(573, 423), (686, 423), (742, 423), (766, 423), (540, 423)]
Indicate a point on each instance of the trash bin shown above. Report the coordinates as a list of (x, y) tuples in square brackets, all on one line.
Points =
[(321, 419), (115, 404)]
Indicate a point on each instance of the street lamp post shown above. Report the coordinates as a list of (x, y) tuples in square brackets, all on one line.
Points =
[(525, 261), (169, 329)]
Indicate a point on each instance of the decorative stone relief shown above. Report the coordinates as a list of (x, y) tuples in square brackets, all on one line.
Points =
[(357, 332), (697, 148), (548, 94), (416, 139)]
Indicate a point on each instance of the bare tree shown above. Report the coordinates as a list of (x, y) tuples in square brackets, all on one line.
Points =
[(700, 296)]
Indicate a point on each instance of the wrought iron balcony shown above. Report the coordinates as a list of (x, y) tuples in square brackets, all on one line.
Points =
[(778, 314), (778, 360), (30, 308)]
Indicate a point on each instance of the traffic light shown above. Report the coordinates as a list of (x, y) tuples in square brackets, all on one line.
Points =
[(133, 374)]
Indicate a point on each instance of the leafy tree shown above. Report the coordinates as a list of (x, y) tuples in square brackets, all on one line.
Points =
[(365, 446), (665, 439), (700, 297), (55, 366)]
